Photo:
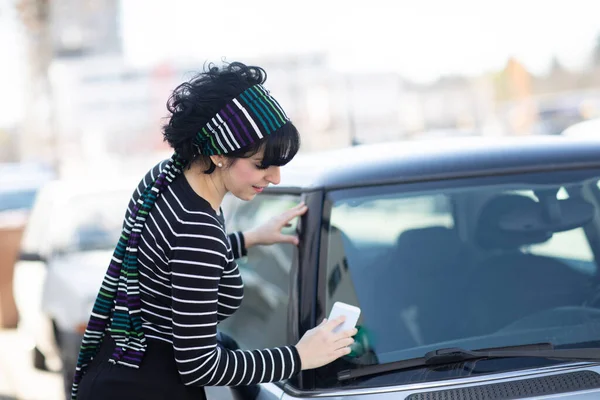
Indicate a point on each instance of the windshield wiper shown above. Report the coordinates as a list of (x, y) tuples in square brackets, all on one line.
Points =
[(457, 355)]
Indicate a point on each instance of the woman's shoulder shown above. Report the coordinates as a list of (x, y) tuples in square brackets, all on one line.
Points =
[(152, 174), (148, 178)]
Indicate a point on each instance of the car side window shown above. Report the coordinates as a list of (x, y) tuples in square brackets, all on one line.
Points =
[(262, 320)]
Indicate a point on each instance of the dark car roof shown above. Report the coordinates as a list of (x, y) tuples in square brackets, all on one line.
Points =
[(411, 161)]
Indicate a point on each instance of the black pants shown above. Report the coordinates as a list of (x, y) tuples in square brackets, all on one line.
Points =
[(156, 379)]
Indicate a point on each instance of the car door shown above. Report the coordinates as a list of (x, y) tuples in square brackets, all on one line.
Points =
[(261, 321), (30, 274)]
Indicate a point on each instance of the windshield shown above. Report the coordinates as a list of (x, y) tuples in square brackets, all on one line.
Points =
[(475, 263)]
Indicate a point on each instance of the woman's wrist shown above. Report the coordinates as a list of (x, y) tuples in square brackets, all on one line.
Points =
[(298, 358), (250, 239)]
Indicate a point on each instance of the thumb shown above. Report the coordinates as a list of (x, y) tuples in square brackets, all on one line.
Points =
[(289, 239)]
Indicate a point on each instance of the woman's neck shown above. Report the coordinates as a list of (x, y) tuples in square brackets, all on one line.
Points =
[(208, 186)]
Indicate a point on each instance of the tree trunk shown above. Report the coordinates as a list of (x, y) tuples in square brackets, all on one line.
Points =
[(38, 136)]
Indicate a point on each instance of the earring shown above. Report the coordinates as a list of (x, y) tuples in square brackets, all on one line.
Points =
[(219, 165)]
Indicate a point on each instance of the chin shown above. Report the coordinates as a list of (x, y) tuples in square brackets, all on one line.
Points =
[(245, 196)]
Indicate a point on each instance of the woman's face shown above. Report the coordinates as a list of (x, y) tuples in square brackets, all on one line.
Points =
[(245, 177)]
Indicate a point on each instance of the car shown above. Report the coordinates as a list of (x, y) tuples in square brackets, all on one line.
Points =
[(589, 128), (474, 261), (66, 247), (19, 183), (434, 134)]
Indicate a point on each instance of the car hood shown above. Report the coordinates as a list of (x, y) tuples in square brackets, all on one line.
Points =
[(82, 272), (71, 286)]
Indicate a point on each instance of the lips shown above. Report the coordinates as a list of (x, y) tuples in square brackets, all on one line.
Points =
[(258, 189)]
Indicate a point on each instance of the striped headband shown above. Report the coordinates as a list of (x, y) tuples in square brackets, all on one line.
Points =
[(244, 120)]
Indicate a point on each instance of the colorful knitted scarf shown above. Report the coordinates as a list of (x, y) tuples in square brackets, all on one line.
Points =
[(117, 307), (244, 120)]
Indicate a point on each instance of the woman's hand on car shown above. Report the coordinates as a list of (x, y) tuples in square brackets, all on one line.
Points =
[(270, 231), (321, 345)]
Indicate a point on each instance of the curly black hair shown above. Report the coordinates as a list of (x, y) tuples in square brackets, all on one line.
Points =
[(193, 103)]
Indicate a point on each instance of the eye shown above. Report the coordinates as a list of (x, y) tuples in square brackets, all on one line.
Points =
[(260, 166)]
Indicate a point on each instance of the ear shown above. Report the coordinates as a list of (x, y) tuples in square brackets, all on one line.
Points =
[(219, 160)]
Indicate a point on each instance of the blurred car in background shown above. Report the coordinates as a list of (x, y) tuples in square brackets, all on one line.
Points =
[(443, 134), (65, 251), (19, 184), (588, 129), (554, 119)]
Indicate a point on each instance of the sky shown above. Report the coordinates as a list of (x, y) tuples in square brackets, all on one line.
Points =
[(420, 39)]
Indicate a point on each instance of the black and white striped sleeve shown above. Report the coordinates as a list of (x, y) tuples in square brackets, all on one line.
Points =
[(200, 267), (238, 245)]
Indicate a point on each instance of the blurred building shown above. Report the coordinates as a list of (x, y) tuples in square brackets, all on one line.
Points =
[(334, 109), (312, 95), (100, 107), (105, 107), (11, 89), (373, 106), (85, 27), (546, 104), (56, 32)]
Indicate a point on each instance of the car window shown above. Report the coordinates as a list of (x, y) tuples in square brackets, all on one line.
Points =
[(262, 320), (17, 199), (472, 263)]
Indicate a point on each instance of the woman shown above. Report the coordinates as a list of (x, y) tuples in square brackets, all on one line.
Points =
[(153, 329)]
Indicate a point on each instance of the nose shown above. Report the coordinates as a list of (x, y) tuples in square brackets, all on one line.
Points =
[(274, 176)]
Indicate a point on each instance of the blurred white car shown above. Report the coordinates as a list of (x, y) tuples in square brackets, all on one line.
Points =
[(19, 183), (587, 129), (65, 251)]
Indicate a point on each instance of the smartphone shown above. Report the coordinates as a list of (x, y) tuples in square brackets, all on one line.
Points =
[(351, 312)]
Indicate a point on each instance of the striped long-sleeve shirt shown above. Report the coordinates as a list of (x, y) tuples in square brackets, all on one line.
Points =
[(189, 282)]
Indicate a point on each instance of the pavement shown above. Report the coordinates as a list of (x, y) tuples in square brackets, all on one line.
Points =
[(18, 379)]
